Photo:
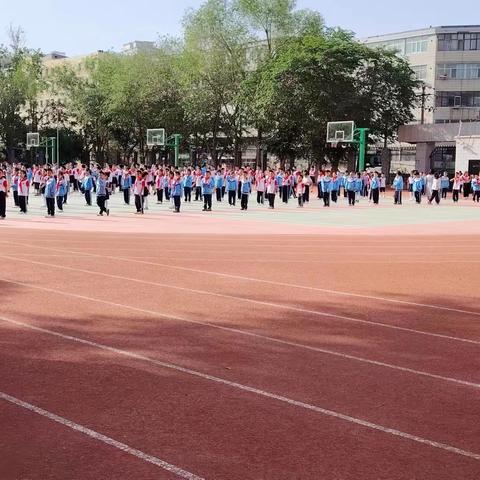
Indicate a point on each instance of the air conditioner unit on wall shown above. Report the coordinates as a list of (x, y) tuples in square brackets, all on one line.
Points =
[(442, 77)]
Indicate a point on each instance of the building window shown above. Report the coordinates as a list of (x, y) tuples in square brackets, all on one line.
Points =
[(395, 45), (420, 72), (416, 45), (461, 71), (458, 41), (457, 99)]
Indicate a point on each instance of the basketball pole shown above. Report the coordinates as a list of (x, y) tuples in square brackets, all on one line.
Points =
[(362, 146)]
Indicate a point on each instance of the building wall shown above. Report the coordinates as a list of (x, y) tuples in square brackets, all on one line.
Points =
[(468, 149)]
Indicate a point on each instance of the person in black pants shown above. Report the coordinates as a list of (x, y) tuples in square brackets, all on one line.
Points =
[(3, 195)]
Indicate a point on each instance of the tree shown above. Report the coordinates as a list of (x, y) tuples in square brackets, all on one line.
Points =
[(213, 66), (315, 79)]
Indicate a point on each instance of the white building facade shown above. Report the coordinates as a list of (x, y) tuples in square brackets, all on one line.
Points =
[(447, 60)]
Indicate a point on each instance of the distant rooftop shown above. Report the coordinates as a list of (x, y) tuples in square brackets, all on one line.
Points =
[(422, 31)]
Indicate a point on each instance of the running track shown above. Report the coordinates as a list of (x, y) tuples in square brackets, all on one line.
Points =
[(141, 356)]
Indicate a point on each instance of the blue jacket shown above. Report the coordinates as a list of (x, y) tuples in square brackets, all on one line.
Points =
[(232, 183), (326, 184), (87, 184), (350, 184), (417, 184), (101, 187), (126, 182), (188, 181), (358, 184), (444, 182), (398, 183), (374, 183), (62, 188), (218, 181), (279, 180), (176, 189), (208, 186), (50, 188), (247, 186)]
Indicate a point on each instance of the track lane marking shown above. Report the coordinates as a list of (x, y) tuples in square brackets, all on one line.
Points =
[(256, 391), (179, 472), (258, 280)]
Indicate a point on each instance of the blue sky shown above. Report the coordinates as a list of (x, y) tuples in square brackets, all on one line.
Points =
[(83, 26)]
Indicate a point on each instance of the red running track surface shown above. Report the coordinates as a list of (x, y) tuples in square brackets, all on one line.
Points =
[(145, 357)]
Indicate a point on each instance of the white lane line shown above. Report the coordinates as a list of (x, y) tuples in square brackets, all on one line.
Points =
[(259, 280), (101, 438), (248, 300), (269, 395), (246, 333)]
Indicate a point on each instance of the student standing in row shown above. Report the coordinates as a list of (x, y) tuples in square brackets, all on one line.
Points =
[(435, 189), (138, 191), (176, 192), (50, 193), (476, 188), (246, 190), (61, 191), (418, 187), (3, 195), (350, 187), (208, 185), (187, 186), (375, 188), (232, 185), (457, 185), (398, 187), (23, 187), (102, 194), (271, 187), (444, 184), (126, 185), (87, 187), (326, 183)]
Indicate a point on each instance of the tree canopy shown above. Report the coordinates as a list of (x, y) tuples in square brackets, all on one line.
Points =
[(244, 72)]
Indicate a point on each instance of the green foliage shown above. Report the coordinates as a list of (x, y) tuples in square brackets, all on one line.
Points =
[(243, 68)]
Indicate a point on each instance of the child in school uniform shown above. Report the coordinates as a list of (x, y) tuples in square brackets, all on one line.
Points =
[(246, 180), (271, 187), (418, 187), (102, 194), (61, 191), (260, 183), (232, 185), (177, 191), (457, 186), (138, 191), (23, 187), (187, 185), (208, 185), (398, 187), (476, 188), (335, 187), (350, 188), (3, 195), (87, 187), (444, 184), (50, 192), (300, 190), (375, 188), (126, 185), (326, 188)]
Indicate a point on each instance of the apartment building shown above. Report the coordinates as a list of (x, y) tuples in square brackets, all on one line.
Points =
[(447, 60)]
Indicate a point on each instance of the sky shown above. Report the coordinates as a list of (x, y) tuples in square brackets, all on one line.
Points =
[(84, 26)]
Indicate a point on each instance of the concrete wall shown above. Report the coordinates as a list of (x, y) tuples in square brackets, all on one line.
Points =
[(468, 148)]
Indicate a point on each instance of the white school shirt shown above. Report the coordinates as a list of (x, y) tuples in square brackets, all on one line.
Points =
[(261, 185), (436, 184), (383, 182)]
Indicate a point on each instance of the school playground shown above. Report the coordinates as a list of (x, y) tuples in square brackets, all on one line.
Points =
[(294, 344)]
